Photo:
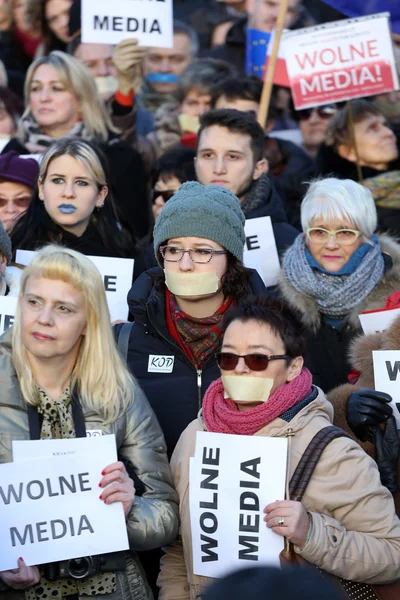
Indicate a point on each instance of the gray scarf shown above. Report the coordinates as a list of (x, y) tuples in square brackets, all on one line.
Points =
[(36, 141), (335, 295)]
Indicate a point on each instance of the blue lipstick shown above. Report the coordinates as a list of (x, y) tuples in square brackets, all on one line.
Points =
[(67, 209)]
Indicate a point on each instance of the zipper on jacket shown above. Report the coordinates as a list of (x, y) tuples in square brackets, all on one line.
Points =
[(289, 435), (199, 373)]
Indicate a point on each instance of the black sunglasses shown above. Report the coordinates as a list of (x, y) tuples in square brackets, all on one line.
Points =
[(325, 112), (227, 361), (166, 195)]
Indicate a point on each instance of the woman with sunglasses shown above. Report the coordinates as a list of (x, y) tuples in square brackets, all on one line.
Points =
[(346, 523), (313, 124), (335, 270)]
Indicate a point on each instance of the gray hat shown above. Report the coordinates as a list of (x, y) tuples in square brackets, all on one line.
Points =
[(206, 211), (5, 243)]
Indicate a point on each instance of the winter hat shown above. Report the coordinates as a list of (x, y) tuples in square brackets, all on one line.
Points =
[(275, 584), (206, 211), (20, 170), (5, 243)]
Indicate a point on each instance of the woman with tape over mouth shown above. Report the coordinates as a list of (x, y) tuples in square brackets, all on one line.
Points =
[(178, 306), (346, 522), (61, 376), (75, 206)]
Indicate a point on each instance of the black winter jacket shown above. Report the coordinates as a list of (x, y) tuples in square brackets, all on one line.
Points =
[(175, 396)]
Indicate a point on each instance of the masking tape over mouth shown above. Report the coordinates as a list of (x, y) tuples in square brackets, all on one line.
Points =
[(162, 78), (106, 85), (191, 284), (243, 388)]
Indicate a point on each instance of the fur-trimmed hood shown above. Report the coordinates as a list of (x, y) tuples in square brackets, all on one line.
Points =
[(12, 277), (389, 283)]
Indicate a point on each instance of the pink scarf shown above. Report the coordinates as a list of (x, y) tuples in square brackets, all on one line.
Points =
[(221, 415)]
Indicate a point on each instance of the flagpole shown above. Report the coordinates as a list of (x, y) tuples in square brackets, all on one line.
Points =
[(269, 75), (353, 139)]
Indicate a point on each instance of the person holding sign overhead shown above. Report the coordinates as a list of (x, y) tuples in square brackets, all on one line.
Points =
[(75, 206), (336, 269), (61, 376), (346, 523)]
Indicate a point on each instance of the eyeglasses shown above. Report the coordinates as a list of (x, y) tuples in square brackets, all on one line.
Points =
[(20, 202), (325, 112), (344, 237), (228, 361), (165, 195), (197, 255)]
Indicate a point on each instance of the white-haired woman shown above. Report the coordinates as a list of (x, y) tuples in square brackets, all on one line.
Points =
[(61, 352), (61, 99), (336, 269)]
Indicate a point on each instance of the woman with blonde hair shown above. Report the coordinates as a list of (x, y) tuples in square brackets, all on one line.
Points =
[(61, 100), (61, 376)]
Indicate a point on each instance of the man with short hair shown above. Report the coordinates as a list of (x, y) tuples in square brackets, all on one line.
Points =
[(230, 153)]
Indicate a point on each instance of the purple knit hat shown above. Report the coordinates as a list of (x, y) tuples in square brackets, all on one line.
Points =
[(20, 170)]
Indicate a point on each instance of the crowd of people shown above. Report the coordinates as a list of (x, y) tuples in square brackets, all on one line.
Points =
[(156, 155)]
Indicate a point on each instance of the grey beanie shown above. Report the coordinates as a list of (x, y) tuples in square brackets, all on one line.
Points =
[(5, 243), (206, 211)]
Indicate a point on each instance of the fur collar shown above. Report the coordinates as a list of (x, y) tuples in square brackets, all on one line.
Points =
[(12, 278), (389, 283)]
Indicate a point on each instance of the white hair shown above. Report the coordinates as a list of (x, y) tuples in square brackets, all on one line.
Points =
[(331, 198)]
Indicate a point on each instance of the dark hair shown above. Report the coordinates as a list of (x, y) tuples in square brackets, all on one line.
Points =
[(234, 88), (235, 121), (180, 27), (339, 131), (36, 17), (12, 104), (235, 282), (201, 75), (178, 162), (276, 313), (36, 227)]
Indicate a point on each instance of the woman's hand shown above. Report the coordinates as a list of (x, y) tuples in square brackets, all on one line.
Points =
[(21, 578), (121, 488), (296, 522)]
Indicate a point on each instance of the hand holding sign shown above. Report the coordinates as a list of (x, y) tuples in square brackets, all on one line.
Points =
[(127, 58), (22, 578), (366, 409), (120, 486), (290, 519)]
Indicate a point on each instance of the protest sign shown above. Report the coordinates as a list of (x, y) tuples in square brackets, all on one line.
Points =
[(378, 320), (8, 307), (148, 21), (28, 449), (232, 479), (260, 249), (258, 52), (117, 275), (387, 377), (50, 508), (340, 61)]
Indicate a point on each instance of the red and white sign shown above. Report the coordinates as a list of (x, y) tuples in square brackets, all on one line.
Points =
[(340, 61)]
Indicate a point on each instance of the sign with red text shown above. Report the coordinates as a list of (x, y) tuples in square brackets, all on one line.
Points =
[(50, 508), (232, 479), (387, 377), (378, 320), (340, 61)]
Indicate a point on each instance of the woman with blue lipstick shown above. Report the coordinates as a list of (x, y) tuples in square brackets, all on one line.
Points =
[(75, 207), (335, 270)]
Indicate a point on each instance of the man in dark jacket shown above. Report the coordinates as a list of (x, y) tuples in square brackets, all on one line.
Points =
[(230, 153)]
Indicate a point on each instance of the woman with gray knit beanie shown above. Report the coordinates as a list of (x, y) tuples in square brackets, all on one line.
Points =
[(336, 269)]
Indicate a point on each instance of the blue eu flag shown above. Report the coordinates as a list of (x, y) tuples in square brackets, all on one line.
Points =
[(362, 8), (256, 51)]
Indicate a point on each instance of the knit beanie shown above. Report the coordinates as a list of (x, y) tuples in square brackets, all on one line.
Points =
[(206, 211), (19, 170), (5, 243)]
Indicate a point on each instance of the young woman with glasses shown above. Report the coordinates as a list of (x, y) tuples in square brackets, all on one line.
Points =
[(335, 270), (346, 523)]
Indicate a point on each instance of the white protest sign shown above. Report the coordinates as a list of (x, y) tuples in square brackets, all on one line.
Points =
[(260, 251), (387, 376), (8, 308), (27, 449), (148, 21), (232, 479), (339, 61), (117, 275), (378, 320), (50, 509)]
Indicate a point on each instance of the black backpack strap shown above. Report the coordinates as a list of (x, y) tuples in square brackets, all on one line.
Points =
[(123, 339), (306, 466)]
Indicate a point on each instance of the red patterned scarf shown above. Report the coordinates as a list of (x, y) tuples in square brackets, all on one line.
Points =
[(198, 338), (221, 415)]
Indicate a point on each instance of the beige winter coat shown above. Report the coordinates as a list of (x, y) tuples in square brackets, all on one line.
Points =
[(355, 535)]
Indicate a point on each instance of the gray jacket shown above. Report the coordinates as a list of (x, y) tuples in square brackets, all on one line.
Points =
[(153, 519)]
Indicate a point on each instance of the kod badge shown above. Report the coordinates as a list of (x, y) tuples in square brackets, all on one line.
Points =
[(160, 364)]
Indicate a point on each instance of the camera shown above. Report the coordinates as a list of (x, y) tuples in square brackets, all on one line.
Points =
[(85, 566)]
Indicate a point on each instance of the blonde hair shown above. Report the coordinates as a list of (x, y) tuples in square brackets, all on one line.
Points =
[(100, 376), (80, 82), (83, 152)]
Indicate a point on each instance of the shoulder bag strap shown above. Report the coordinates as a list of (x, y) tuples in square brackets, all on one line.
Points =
[(304, 470), (123, 339)]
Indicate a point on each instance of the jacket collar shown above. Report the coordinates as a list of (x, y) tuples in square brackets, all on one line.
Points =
[(9, 386)]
